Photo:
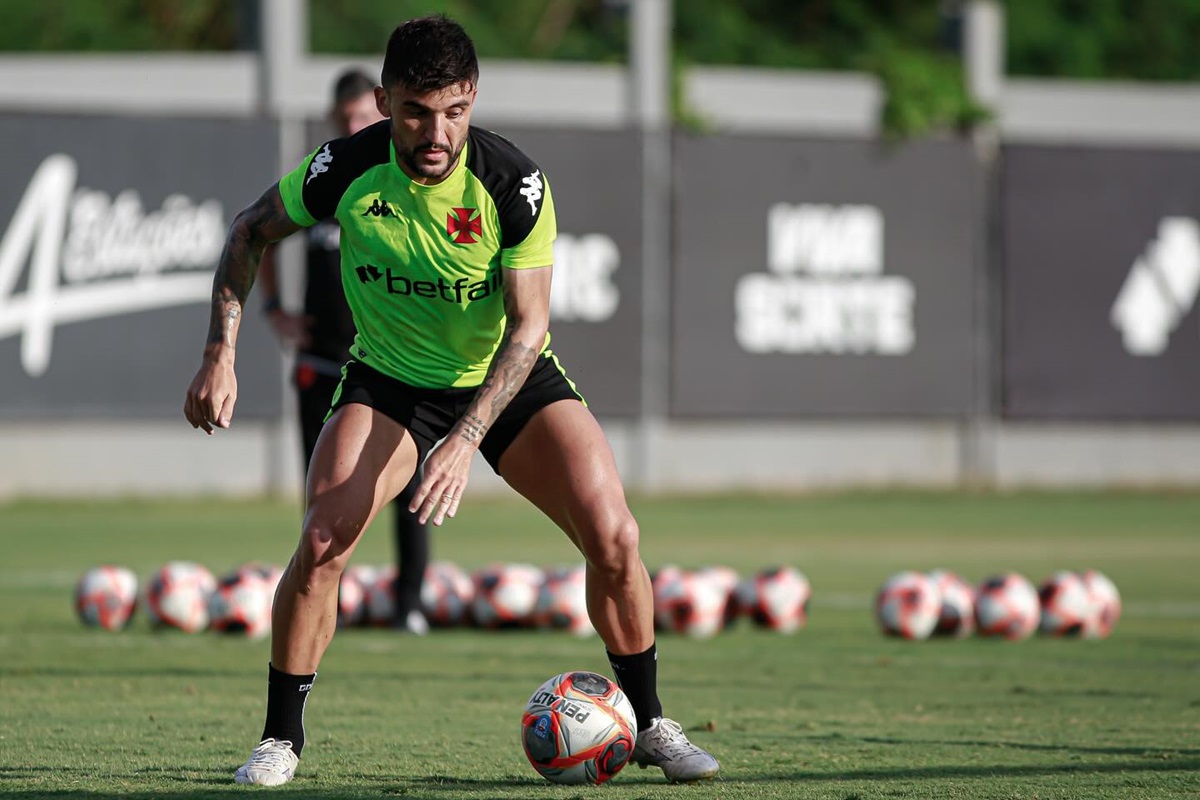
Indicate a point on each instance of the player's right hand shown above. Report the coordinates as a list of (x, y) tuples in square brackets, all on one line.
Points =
[(211, 395)]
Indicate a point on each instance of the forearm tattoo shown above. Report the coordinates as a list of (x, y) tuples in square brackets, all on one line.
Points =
[(507, 373), (248, 235)]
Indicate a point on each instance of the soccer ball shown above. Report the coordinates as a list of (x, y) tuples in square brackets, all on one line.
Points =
[(505, 595), (659, 583), (694, 604), (776, 599), (270, 573), (578, 727), (380, 597), (957, 615), (562, 601), (241, 603), (106, 597), (1106, 605), (352, 605), (177, 596), (1066, 604), (908, 605), (1007, 606), (446, 594)]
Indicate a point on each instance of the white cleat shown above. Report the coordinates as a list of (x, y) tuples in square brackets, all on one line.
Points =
[(664, 745), (271, 764)]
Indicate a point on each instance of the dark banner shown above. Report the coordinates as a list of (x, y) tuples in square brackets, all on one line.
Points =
[(111, 232), (595, 303), (1101, 276), (824, 278)]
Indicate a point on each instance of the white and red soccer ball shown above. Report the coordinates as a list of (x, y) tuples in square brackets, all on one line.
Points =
[(177, 596), (956, 616), (106, 597), (1007, 606), (775, 598), (694, 604), (578, 728), (1067, 606), (1106, 604), (562, 601), (506, 595), (908, 605), (241, 603), (380, 597), (446, 594)]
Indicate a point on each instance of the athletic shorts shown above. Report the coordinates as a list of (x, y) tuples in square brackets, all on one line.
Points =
[(429, 414)]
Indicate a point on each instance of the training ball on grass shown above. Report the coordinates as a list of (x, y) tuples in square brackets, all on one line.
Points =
[(106, 597), (1007, 606), (506, 595), (380, 597), (446, 594), (1066, 604), (352, 600), (908, 605), (956, 616), (578, 727), (562, 602), (694, 604), (241, 604), (1106, 605), (177, 596), (776, 599)]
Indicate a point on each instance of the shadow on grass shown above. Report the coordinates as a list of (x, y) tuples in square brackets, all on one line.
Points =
[(434, 786)]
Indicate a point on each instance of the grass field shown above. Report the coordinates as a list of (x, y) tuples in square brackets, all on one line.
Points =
[(836, 711)]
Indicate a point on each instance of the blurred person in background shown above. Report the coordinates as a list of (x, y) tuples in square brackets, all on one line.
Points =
[(322, 336)]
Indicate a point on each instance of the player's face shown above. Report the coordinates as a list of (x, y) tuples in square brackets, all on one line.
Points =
[(352, 116), (429, 129)]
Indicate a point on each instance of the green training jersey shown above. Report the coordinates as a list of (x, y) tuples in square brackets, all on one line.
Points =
[(422, 266)]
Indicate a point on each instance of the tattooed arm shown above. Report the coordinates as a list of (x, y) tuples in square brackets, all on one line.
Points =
[(213, 391), (527, 312)]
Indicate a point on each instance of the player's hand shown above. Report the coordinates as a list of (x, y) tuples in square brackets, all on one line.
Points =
[(292, 330), (446, 472), (211, 395)]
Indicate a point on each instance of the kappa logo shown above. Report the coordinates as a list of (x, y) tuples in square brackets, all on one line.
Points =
[(379, 208), (1161, 288), (320, 163), (462, 227), (532, 191)]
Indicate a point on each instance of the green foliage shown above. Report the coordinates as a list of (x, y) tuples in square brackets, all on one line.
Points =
[(1144, 40), (119, 25)]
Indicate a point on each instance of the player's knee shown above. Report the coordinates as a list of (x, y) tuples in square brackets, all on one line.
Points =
[(323, 554), (614, 548)]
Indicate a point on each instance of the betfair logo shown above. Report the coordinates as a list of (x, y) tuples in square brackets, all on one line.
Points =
[(368, 273), (379, 208)]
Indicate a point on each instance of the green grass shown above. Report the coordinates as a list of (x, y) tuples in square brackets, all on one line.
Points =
[(836, 711)]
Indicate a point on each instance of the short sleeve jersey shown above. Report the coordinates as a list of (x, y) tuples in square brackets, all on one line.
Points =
[(422, 266)]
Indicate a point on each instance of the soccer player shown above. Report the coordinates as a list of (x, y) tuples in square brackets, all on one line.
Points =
[(323, 335), (447, 233)]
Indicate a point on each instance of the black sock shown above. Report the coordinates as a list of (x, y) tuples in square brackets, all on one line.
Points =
[(412, 551), (285, 707), (637, 675)]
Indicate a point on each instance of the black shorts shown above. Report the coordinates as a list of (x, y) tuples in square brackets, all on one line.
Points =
[(429, 414)]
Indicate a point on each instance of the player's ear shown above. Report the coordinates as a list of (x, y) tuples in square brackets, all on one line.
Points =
[(381, 102)]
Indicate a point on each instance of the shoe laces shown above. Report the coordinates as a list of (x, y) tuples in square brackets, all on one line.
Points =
[(668, 737), (273, 754)]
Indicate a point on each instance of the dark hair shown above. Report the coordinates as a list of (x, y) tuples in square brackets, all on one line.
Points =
[(351, 85), (430, 53)]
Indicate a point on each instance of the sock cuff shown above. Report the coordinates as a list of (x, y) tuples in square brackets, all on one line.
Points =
[(286, 680), (632, 658)]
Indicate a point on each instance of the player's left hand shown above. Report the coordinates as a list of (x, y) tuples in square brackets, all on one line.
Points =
[(446, 472)]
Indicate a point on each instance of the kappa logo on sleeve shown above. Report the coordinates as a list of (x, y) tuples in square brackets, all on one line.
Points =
[(532, 190), (320, 163)]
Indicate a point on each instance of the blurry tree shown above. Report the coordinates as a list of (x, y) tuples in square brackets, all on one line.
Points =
[(119, 25)]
